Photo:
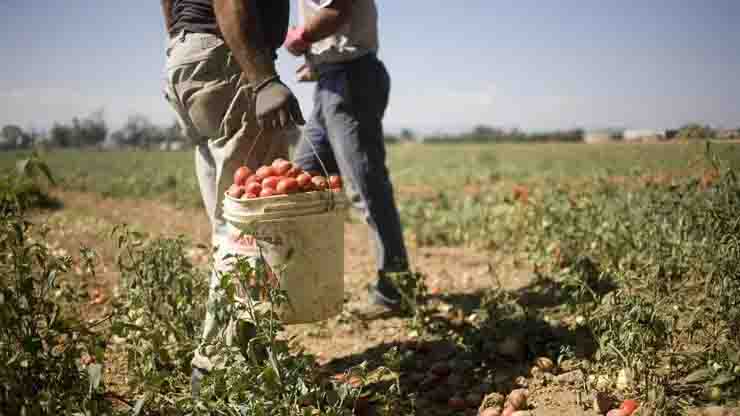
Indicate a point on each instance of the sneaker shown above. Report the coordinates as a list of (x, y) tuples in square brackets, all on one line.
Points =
[(384, 293)]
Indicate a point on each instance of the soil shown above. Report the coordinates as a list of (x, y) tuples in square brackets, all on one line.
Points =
[(454, 275)]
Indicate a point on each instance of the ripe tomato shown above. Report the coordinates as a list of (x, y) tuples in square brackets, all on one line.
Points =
[(253, 188), (253, 179), (271, 182), (277, 161), (235, 191), (319, 182), (335, 181), (629, 406), (304, 180), (249, 195), (293, 172), (265, 172), (267, 192), (87, 359), (287, 186), (282, 167), (241, 175), (508, 411)]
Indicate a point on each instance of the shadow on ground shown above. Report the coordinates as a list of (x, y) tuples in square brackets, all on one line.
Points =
[(483, 342)]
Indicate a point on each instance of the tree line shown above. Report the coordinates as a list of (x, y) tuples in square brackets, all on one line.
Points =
[(140, 132), (488, 134), (92, 131)]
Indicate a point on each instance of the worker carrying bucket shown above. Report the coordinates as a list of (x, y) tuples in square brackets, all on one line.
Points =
[(222, 84)]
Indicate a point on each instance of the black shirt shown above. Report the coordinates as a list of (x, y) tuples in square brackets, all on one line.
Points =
[(197, 16), (194, 16)]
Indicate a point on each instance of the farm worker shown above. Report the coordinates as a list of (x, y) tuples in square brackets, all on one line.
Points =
[(339, 39), (222, 83)]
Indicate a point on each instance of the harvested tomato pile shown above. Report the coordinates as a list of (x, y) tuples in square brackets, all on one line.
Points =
[(280, 178)]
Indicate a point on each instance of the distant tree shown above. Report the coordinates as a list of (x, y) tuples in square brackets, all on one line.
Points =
[(88, 131), (695, 131), (15, 137), (173, 134), (486, 131), (61, 135), (407, 135), (138, 131), (91, 130)]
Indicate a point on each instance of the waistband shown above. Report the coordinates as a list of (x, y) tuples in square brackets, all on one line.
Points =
[(325, 68), (209, 39)]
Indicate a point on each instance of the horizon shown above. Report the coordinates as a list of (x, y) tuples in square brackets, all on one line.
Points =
[(529, 66)]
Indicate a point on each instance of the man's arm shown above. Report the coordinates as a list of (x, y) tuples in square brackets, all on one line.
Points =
[(241, 28), (167, 12), (326, 22)]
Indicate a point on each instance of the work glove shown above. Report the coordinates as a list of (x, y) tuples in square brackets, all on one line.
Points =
[(275, 105), (295, 41)]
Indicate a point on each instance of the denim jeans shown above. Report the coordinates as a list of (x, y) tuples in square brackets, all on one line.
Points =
[(345, 130)]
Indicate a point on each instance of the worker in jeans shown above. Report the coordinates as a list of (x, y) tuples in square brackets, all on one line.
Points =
[(221, 82), (339, 39)]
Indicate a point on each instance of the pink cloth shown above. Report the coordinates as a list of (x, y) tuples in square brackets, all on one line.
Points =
[(295, 41)]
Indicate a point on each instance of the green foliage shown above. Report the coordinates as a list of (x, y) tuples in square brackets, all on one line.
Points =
[(158, 325), (651, 266), (448, 219), (695, 131), (414, 167), (84, 132), (159, 312), (33, 166), (414, 291), (20, 190), (488, 134), (17, 194), (42, 337), (671, 253)]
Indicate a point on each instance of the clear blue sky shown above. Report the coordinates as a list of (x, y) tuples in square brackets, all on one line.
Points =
[(533, 64)]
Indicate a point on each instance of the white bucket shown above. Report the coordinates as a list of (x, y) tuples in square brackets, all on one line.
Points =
[(301, 237)]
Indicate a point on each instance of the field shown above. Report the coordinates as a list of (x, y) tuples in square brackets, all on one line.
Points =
[(430, 168), (576, 272)]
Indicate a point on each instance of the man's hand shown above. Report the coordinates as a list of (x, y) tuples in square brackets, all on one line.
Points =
[(295, 41), (276, 106), (306, 73)]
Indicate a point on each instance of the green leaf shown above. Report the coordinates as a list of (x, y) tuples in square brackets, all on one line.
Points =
[(722, 379), (13, 359), (699, 376), (138, 406), (46, 171), (95, 372)]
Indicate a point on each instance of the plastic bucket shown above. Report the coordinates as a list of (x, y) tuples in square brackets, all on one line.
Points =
[(301, 237)]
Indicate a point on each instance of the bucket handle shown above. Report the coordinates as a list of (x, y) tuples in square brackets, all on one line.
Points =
[(332, 201)]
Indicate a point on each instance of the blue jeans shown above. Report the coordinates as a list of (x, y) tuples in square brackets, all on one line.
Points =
[(346, 132)]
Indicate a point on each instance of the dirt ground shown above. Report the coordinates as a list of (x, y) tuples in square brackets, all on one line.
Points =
[(361, 332)]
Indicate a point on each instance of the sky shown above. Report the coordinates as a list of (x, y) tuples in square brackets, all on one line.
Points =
[(531, 64)]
